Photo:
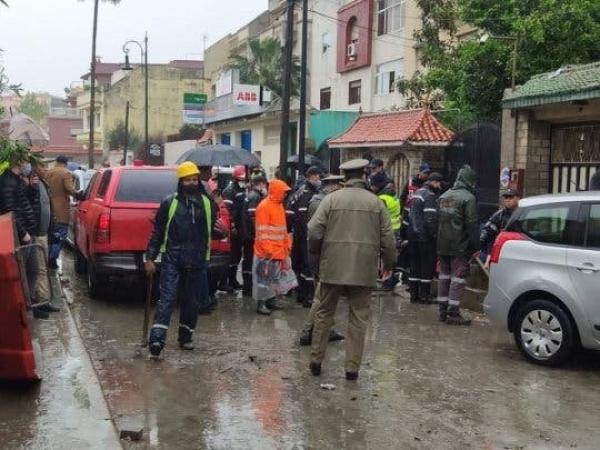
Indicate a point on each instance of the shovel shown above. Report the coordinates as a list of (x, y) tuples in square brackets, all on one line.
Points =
[(149, 283)]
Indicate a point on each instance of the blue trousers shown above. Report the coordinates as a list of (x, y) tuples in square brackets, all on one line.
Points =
[(187, 284), (57, 240)]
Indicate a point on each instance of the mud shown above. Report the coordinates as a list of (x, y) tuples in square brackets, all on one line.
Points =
[(247, 386)]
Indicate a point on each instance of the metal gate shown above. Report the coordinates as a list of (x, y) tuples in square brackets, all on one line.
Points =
[(575, 153), (479, 146)]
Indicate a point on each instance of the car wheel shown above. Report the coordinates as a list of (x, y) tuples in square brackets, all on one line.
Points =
[(80, 262), (93, 281), (544, 333)]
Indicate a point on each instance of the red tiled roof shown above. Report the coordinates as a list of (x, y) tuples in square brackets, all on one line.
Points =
[(415, 127), (103, 69)]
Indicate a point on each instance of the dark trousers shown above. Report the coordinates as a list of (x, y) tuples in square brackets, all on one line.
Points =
[(248, 253), (423, 257), (193, 284), (236, 256), (301, 266)]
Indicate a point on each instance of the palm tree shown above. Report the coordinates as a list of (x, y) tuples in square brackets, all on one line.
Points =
[(93, 81), (263, 65)]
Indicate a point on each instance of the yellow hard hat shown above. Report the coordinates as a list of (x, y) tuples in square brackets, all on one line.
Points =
[(187, 169)]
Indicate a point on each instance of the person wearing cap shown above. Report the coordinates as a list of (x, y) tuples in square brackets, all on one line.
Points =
[(272, 273), (457, 242), (331, 183), (422, 234), (181, 237), (498, 221), (349, 232), (256, 193), (297, 213), (234, 195), (60, 183)]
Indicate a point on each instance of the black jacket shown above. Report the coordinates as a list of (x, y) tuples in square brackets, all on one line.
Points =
[(13, 197), (423, 215), (188, 233), (234, 196), (297, 210), (493, 227), (249, 214)]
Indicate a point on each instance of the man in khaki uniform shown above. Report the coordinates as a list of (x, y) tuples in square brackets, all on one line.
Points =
[(350, 230)]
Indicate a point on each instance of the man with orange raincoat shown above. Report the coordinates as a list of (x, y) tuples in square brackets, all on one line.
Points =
[(272, 268)]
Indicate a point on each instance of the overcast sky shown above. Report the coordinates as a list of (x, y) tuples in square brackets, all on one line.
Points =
[(47, 43)]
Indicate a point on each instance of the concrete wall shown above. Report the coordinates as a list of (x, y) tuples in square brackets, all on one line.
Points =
[(173, 150)]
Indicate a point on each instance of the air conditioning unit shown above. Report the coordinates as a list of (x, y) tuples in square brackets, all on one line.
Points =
[(352, 51)]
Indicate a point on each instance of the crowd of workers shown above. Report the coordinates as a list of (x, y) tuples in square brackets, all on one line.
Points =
[(39, 199), (331, 236)]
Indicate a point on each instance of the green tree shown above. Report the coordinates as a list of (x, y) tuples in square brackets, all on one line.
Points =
[(550, 33), (263, 65), (118, 136), (190, 131), (34, 107)]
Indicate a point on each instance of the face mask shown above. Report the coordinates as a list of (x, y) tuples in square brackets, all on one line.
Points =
[(190, 189), (242, 184), (316, 184), (26, 169)]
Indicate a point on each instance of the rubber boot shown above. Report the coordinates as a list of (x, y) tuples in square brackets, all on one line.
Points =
[(155, 349), (455, 317), (273, 304), (247, 287), (414, 292), (443, 311), (261, 308), (233, 282), (425, 294)]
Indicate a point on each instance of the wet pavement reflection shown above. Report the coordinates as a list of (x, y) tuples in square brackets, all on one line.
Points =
[(247, 385)]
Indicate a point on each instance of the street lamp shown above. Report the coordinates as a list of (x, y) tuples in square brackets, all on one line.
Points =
[(144, 53), (485, 37)]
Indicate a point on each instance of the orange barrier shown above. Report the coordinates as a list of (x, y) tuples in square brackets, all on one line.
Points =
[(17, 358)]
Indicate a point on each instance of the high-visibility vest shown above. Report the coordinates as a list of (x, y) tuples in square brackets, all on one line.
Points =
[(171, 214), (394, 207)]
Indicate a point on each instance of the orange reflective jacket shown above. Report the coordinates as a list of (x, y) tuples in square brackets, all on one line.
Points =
[(272, 238)]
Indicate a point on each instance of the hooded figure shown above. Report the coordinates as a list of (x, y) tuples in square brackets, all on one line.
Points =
[(272, 271), (457, 240), (595, 182)]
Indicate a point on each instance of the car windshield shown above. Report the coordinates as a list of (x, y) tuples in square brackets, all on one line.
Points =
[(146, 186)]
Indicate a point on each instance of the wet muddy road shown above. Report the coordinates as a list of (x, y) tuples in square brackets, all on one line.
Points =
[(247, 385)]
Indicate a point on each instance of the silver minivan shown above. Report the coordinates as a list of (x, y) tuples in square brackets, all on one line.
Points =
[(545, 276)]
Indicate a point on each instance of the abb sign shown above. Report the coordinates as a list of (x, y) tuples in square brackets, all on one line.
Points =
[(246, 94)]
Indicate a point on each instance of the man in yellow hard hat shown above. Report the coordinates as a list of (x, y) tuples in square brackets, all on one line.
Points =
[(181, 238)]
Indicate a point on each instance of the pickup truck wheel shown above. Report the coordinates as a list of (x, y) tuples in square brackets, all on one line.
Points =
[(80, 262), (94, 282), (544, 333)]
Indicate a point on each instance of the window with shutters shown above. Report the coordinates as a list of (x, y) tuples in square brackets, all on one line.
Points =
[(386, 77), (391, 15)]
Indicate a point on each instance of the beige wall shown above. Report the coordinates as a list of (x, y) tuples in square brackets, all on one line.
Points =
[(166, 88)]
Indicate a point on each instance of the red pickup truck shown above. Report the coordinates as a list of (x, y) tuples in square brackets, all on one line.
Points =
[(114, 221)]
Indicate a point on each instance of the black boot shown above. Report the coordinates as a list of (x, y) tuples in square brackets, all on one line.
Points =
[(425, 294), (261, 308), (273, 304), (247, 288), (335, 336), (306, 338), (49, 308), (315, 369), (455, 317), (443, 311), (414, 292), (233, 282), (40, 314)]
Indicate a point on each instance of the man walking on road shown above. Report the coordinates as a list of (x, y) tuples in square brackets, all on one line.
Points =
[(350, 231), (60, 182), (181, 236), (422, 234), (458, 240)]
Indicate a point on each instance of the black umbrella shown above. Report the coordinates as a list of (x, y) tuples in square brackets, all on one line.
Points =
[(219, 155), (309, 160)]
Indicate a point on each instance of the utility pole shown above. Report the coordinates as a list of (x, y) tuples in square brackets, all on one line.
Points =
[(146, 148), (126, 143), (286, 92), (93, 87), (304, 63)]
